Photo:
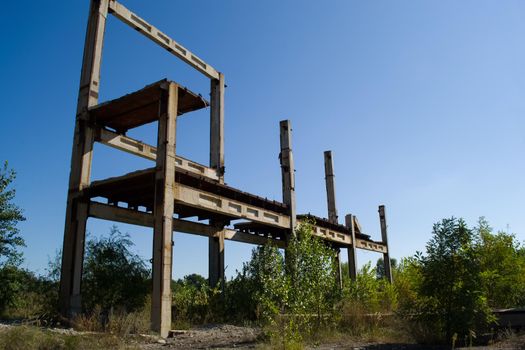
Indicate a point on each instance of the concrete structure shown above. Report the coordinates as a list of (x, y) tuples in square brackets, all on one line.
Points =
[(164, 196)]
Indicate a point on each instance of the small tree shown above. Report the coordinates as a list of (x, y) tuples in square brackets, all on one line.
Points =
[(380, 267), (314, 287), (10, 241), (453, 300), (10, 216), (502, 261), (114, 277)]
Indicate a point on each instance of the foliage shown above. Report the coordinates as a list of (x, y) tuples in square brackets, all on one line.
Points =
[(313, 281), (24, 295), (374, 294), (407, 281), (502, 261), (33, 338), (10, 216), (380, 267), (291, 298), (120, 323), (10, 242), (452, 301), (194, 302), (114, 277)]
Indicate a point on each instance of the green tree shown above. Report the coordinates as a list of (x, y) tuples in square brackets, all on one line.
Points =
[(114, 277), (11, 277), (502, 261), (453, 299), (380, 267), (314, 287), (10, 216)]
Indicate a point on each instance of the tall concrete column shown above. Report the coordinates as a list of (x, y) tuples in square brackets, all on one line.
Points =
[(288, 171), (77, 207), (163, 213), (216, 257), (384, 237), (216, 244), (352, 250), (331, 205)]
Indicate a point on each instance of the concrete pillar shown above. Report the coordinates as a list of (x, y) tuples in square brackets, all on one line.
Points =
[(217, 126), (216, 244), (81, 157), (330, 186), (384, 237), (288, 171), (352, 256), (339, 275), (216, 258), (331, 205), (163, 214)]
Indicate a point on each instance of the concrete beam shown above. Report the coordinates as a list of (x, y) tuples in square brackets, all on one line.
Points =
[(162, 39), (141, 149), (133, 217)]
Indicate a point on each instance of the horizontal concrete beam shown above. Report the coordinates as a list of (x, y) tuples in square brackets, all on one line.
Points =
[(148, 30), (141, 149), (113, 213), (133, 217), (229, 207)]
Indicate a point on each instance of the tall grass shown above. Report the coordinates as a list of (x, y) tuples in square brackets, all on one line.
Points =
[(32, 338)]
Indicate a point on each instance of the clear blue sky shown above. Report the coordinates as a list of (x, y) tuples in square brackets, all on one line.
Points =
[(422, 103)]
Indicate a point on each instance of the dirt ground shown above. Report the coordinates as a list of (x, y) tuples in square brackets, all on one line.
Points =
[(234, 337), (210, 337)]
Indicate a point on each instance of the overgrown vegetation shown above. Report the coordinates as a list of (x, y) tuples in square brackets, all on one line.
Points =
[(443, 295)]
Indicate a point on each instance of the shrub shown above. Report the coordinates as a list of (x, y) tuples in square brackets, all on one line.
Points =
[(452, 299), (114, 278)]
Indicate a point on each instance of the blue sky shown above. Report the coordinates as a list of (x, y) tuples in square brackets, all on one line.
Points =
[(422, 103)]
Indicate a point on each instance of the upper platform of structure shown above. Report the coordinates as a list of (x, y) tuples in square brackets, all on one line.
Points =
[(143, 106)]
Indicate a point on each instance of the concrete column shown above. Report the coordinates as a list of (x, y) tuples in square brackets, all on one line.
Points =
[(384, 237), (331, 205), (217, 126), (216, 244), (352, 256), (163, 214), (81, 157), (339, 275), (288, 171), (216, 258), (330, 186)]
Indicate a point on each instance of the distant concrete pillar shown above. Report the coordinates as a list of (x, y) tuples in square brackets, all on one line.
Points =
[(330, 186), (81, 157), (339, 275), (163, 213), (331, 205), (288, 172), (384, 237), (352, 256)]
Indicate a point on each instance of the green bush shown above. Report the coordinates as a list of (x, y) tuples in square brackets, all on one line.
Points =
[(452, 301), (502, 261), (114, 278), (194, 302), (24, 295)]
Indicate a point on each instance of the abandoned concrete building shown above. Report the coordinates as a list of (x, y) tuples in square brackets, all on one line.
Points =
[(174, 189)]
